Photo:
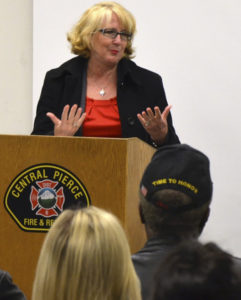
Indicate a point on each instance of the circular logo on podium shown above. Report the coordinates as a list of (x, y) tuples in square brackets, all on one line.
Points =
[(40, 193)]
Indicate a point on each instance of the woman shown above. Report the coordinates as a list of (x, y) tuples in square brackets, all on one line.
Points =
[(85, 256), (101, 92)]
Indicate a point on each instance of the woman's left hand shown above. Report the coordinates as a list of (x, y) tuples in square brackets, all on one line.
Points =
[(155, 123)]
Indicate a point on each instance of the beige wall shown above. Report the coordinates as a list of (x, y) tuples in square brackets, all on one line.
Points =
[(16, 66)]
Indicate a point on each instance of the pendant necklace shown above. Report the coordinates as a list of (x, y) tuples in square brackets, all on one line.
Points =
[(102, 92)]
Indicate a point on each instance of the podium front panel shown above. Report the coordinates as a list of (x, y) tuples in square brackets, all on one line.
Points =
[(41, 175)]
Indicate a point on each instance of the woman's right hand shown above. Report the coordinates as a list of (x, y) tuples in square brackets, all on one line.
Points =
[(71, 120)]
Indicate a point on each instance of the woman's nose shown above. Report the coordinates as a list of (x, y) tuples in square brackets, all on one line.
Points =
[(117, 39)]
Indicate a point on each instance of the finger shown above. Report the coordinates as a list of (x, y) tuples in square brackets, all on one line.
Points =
[(141, 119), (166, 112), (78, 122), (72, 112), (150, 112), (53, 118), (145, 116), (65, 112), (81, 120), (158, 114), (144, 122), (78, 114)]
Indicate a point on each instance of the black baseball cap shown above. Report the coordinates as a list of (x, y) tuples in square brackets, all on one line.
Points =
[(182, 168)]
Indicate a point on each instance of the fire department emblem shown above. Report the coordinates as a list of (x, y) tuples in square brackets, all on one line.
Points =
[(47, 200), (40, 193)]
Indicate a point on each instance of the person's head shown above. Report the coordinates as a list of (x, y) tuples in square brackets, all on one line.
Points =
[(175, 192), (193, 271), (97, 27), (85, 256)]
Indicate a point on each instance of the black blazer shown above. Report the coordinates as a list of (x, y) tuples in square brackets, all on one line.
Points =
[(137, 89)]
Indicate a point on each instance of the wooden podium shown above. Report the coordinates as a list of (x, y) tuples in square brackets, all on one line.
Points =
[(100, 171)]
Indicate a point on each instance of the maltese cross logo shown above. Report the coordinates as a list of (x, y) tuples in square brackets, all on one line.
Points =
[(47, 199)]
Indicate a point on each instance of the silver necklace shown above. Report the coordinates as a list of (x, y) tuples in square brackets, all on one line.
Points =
[(102, 91)]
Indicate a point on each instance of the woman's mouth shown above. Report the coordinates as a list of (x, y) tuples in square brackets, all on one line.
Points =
[(114, 52)]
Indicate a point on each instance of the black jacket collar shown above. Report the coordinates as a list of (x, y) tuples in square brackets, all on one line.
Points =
[(127, 69)]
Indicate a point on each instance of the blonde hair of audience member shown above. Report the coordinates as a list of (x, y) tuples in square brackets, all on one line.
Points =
[(80, 36), (85, 256)]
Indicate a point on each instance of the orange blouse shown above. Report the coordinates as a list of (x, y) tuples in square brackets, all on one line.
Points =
[(102, 118)]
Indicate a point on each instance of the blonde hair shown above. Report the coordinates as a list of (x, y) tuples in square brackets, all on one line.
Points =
[(80, 36), (85, 256)]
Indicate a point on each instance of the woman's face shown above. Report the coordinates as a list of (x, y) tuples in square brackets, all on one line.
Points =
[(107, 50)]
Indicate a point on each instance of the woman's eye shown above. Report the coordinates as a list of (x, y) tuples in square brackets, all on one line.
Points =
[(110, 31)]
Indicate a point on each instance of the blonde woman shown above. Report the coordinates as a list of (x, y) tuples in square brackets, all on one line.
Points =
[(101, 92), (85, 256)]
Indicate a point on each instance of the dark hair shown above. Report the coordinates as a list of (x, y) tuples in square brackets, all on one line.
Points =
[(186, 224), (193, 271)]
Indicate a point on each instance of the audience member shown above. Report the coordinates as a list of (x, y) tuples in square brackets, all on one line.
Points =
[(175, 195), (194, 271), (85, 256), (8, 289)]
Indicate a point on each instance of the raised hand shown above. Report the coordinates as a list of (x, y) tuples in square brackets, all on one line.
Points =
[(155, 123), (71, 120)]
